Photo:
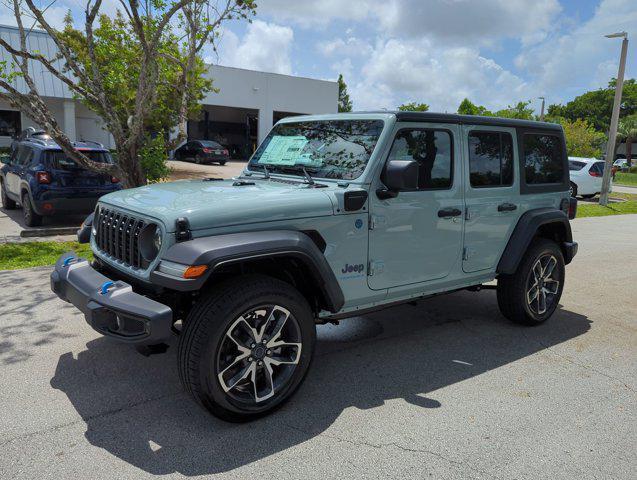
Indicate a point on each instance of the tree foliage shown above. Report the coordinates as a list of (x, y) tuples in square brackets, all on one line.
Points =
[(582, 140), (117, 56), (627, 132), (138, 71), (596, 106), (413, 107), (344, 102), (521, 110)]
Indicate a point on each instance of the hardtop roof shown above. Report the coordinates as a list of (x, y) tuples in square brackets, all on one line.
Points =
[(434, 117)]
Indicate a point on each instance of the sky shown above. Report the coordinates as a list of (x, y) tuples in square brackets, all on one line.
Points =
[(494, 52)]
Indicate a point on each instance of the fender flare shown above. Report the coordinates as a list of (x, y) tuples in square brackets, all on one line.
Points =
[(221, 250), (524, 232)]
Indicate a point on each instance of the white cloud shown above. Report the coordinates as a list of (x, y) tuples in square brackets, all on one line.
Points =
[(265, 46), (419, 70), (309, 13), (453, 20), (349, 46), (567, 64), (467, 20)]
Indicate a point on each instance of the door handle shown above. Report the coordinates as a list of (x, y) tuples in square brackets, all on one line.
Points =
[(449, 212), (507, 207)]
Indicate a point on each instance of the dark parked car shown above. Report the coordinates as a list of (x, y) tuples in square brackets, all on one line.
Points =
[(202, 151), (40, 177)]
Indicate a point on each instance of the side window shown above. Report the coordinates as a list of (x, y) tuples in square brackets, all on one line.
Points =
[(490, 159), (433, 151), (23, 156), (599, 167), (543, 161)]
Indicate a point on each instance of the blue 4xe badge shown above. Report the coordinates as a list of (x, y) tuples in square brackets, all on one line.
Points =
[(358, 223)]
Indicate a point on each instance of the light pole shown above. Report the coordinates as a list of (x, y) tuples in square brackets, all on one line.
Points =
[(542, 109), (614, 119)]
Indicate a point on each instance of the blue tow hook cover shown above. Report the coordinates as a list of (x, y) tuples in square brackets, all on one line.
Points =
[(67, 261), (105, 286)]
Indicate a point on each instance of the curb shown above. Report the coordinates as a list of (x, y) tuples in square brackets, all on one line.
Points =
[(48, 232)]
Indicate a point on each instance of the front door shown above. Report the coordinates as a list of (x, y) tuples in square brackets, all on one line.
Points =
[(417, 236), (491, 194)]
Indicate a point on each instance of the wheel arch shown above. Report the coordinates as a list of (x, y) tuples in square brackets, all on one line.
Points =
[(292, 256), (547, 223)]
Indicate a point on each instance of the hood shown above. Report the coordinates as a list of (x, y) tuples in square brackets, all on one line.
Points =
[(210, 204)]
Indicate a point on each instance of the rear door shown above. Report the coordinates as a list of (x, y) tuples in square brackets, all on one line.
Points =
[(491, 194), (416, 237)]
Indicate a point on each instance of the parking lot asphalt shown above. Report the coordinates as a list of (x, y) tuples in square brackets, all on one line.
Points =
[(444, 389)]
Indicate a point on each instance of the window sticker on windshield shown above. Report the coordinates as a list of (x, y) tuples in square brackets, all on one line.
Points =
[(283, 150)]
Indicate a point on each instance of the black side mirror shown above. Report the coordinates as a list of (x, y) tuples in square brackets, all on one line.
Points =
[(398, 176)]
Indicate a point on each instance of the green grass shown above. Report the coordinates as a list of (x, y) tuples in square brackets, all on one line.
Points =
[(625, 178), (36, 254), (595, 210)]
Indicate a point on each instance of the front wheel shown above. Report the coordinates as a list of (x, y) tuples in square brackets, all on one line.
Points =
[(246, 347), (532, 293)]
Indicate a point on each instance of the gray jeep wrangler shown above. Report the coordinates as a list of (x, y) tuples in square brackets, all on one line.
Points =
[(333, 216)]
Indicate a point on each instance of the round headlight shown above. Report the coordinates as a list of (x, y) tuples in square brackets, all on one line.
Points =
[(157, 239), (150, 241)]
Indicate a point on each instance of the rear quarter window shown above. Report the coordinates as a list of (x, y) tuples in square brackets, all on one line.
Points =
[(543, 159)]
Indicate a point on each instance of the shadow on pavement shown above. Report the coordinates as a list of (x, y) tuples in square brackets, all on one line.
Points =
[(22, 330), (135, 409)]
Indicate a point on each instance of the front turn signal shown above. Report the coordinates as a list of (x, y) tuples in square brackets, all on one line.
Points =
[(195, 271)]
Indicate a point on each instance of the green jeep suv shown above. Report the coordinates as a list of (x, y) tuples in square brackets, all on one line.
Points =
[(333, 216)]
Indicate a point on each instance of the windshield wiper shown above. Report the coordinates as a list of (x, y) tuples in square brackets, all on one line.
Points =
[(266, 172), (308, 177)]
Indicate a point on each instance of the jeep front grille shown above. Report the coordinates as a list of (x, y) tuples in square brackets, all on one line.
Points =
[(117, 235)]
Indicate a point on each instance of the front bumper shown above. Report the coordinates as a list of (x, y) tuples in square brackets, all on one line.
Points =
[(111, 308), (570, 250)]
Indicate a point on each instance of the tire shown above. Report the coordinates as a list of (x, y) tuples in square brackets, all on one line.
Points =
[(198, 160), (210, 360), (7, 203), (589, 196), (222, 163), (573, 190), (513, 289), (31, 218)]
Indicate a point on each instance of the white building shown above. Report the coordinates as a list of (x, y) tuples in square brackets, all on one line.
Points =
[(239, 116)]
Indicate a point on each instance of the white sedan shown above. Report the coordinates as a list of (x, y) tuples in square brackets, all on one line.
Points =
[(586, 176)]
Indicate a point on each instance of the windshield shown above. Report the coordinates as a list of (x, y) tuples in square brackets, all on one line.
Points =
[(338, 149), (58, 159), (574, 166)]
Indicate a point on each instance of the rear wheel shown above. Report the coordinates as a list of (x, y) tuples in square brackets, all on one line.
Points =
[(222, 163), (7, 203), (198, 159), (246, 347), (589, 196), (31, 218), (532, 293)]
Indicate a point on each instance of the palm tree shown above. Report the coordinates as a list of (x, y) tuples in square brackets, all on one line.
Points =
[(627, 131)]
